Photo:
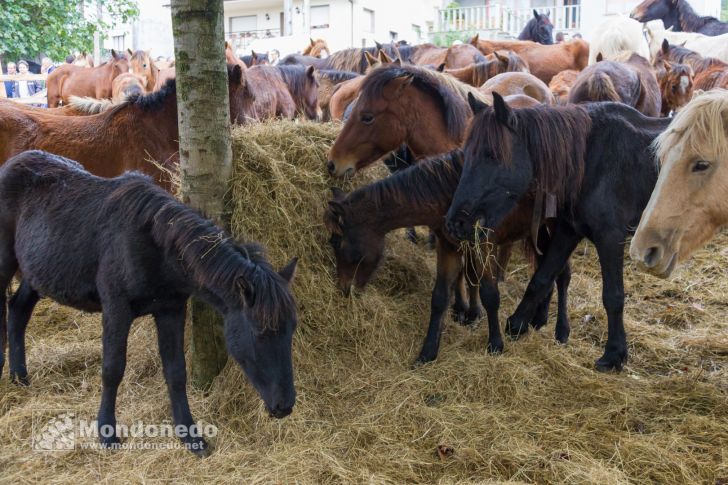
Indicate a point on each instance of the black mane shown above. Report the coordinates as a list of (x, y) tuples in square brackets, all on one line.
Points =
[(337, 76), (690, 21)]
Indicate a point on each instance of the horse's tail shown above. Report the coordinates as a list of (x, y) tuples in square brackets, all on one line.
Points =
[(89, 105), (601, 88)]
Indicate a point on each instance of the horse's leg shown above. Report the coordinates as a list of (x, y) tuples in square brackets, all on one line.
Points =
[(611, 259), (170, 337), (116, 322), (563, 329), (472, 272), (490, 296), (8, 266), (19, 311), (541, 316), (449, 264), (502, 259), (459, 307), (564, 241)]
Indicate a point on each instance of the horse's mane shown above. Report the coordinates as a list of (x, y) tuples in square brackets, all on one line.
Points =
[(450, 92), (148, 102), (89, 105), (295, 79), (204, 251), (555, 137), (428, 183), (337, 76), (700, 127), (683, 55), (689, 20)]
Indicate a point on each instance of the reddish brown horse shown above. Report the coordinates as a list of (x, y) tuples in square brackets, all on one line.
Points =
[(544, 61), (631, 82), (141, 64), (317, 48), (676, 86), (125, 137), (303, 86), (269, 94), (497, 63), (561, 85), (68, 80), (709, 72), (329, 80)]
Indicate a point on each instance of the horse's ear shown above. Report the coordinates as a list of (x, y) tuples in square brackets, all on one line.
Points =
[(600, 57), (371, 60), (665, 46), (289, 271), (385, 58), (129, 51), (503, 58), (334, 218), (113, 54), (502, 111), (310, 72), (312, 41), (441, 68), (395, 87), (476, 106), (398, 61), (535, 14), (338, 194), (227, 46), (682, 44), (236, 75), (378, 45)]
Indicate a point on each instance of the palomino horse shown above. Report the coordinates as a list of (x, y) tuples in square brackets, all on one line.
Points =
[(632, 82), (616, 35), (676, 86), (317, 48), (705, 45), (688, 204), (421, 195), (399, 104), (594, 161), (516, 84), (497, 63), (82, 59), (125, 137), (709, 72), (67, 80), (544, 61), (561, 85), (538, 29), (141, 63), (678, 15), (100, 229)]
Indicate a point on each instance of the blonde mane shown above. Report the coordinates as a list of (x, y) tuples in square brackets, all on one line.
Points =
[(89, 105), (701, 127)]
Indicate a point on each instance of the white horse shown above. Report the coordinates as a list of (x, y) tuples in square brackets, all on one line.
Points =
[(616, 35), (705, 45)]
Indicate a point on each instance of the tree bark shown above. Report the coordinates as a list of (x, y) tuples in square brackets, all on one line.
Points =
[(204, 149)]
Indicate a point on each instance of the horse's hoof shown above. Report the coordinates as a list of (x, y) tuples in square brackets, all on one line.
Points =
[(198, 447), (422, 360), (540, 320), (495, 347), (562, 335), (20, 380), (515, 330), (459, 315), (472, 316), (610, 363)]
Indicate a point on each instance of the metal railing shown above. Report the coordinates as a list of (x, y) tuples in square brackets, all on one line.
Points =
[(504, 19), (241, 40)]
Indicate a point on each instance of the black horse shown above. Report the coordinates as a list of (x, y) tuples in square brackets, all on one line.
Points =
[(127, 248), (594, 160), (538, 29), (678, 15)]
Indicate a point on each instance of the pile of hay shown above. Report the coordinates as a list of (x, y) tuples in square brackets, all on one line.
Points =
[(538, 413)]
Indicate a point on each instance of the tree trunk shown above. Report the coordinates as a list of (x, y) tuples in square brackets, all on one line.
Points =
[(204, 148)]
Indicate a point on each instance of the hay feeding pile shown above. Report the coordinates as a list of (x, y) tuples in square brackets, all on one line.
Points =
[(538, 413)]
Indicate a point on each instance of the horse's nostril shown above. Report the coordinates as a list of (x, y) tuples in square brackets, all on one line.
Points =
[(652, 256), (331, 167)]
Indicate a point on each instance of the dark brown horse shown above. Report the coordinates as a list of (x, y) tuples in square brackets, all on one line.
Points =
[(68, 80), (421, 195), (538, 29), (709, 72), (544, 61), (303, 86), (268, 95), (631, 82), (679, 16)]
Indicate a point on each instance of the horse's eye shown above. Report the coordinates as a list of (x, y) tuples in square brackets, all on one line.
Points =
[(701, 166), (367, 119), (144, 66)]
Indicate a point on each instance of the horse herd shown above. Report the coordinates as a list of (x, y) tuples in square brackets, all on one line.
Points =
[(493, 143)]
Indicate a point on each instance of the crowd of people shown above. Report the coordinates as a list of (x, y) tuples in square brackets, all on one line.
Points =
[(22, 88)]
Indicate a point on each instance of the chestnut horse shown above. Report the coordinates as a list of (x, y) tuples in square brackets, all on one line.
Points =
[(421, 195), (632, 82), (676, 86), (678, 15), (303, 85), (561, 85), (518, 83), (269, 93), (67, 80), (328, 80), (709, 72), (141, 63), (688, 205), (498, 62), (125, 137), (317, 48), (544, 61), (399, 104), (255, 59)]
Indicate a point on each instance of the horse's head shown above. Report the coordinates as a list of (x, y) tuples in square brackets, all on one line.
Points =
[(141, 64), (688, 204), (127, 84), (374, 127), (312, 110), (541, 28), (509, 61), (676, 84), (318, 48), (238, 95), (652, 10), (509, 154), (259, 334), (357, 249), (258, 59), (119, 63)]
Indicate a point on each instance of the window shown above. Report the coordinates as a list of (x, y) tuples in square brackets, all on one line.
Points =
[(243, 24), (118, 43), (320, 17), (368, 21), (418, 32)]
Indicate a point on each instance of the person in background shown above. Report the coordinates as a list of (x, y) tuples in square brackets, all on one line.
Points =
[(46, 67), (70, 58), (274, 56), (559, 37), (24, 89), (12, 70)]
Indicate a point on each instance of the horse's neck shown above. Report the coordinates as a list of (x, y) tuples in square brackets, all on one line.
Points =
[(686, 18), (427, 132)]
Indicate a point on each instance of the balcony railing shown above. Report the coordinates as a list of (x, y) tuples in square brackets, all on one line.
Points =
[(240, 41), (504, 19)]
